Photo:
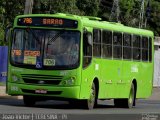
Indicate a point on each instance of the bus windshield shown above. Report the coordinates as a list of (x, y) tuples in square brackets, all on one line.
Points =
[(50, 49)]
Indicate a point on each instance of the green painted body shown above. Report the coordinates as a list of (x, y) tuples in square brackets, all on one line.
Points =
[(114, 76)]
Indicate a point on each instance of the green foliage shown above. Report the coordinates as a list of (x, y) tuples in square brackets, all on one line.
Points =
[(89, 7), (78, 7), (1, 36), (129, 11), (153, 22), (105, 9), (129, 14), (56, 6), (8, 10), (64, 6)]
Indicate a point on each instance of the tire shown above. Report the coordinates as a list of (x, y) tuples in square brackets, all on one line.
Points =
[(128, 102), (92, 101), (29, 100)]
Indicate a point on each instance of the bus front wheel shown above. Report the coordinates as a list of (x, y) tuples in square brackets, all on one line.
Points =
[(29, 100), (91, 102)]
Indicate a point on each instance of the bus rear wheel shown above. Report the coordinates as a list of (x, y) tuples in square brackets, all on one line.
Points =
[(91, 102), (29, 100), (128, 102)]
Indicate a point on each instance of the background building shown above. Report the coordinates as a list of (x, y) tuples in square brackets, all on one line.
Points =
[(156, 82)]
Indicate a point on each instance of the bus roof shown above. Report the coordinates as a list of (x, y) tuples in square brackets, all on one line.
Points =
[(96, 22)]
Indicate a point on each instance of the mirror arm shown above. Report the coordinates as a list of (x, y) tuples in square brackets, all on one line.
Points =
[(7, 30)]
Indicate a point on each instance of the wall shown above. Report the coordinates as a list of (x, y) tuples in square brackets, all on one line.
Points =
[(3, 63), (156, 82)]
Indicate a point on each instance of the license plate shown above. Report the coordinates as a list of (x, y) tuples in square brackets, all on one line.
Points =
[(41, 91)]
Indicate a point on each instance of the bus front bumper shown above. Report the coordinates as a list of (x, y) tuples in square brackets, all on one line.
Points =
[(50, 91)]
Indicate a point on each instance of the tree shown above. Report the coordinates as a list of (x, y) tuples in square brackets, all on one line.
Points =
[(56, 6), (11, 8), (8, 10), (1, 25), (130, 10), (153, 21), (88, 7), (105, 7), (65, 6)]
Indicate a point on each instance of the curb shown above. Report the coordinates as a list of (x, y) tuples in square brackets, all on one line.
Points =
[(4, 95), (10, 97)]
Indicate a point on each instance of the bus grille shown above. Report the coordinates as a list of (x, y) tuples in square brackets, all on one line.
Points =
[(41, 79)]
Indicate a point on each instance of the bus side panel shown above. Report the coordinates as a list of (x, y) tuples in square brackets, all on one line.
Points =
[(146, 77), (142, 73), (111, 73), (86, 82), (88, 75), (125, 84)]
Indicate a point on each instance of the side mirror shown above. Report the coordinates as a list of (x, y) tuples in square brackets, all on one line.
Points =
[(7, 33), (89, 38)]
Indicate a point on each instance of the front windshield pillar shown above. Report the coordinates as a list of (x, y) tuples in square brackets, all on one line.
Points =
[(87, 49)]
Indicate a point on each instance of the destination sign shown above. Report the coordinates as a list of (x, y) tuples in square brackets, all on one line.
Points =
[(47, 22)]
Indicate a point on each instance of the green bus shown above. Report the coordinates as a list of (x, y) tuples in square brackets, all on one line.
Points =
[(80, 59)]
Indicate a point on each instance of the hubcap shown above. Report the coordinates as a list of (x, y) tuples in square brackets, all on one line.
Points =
[(131, 97)]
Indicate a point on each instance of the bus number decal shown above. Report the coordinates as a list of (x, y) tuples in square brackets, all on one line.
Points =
[(31, 53), (16, 52), (49, 62), (28, 20)]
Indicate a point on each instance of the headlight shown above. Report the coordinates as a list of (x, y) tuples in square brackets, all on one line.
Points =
[(69, 81)]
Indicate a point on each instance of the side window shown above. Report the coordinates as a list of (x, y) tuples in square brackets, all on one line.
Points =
[(117, 45), (87, 49), (97, 43), (127, 54), (144, 48), (150, 49), (136, 47), (106, 44)]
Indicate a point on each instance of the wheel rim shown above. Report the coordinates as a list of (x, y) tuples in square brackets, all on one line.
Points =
[(131, 97)]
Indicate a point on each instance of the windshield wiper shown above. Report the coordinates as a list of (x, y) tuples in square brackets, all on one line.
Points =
[(33, 33), (54, 38)]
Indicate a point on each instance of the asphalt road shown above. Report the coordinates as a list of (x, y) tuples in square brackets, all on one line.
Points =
[(146, 109), (149, 107)]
